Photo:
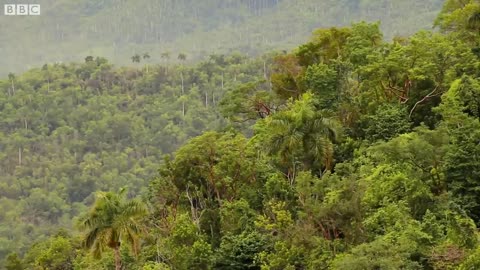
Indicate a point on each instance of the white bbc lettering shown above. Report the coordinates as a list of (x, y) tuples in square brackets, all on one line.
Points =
[(10, 10), (34, 10), (22, 9)]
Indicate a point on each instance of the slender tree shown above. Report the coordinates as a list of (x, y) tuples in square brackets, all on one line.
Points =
[(166, 57), (146, 56), (182, 57), (11, 77)]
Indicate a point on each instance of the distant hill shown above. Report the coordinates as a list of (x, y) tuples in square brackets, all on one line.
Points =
[(70, 30)]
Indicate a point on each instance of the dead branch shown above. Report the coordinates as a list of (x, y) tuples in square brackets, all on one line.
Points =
[(430, 95)]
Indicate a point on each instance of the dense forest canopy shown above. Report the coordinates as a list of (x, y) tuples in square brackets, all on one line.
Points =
[(116, 29), (347, 152)]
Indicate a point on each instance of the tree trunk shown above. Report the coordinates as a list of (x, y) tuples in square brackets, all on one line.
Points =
[(181, 77), (222, 80), (13, 87), (183, 93), (20, 156), (265, 70), (118, 263)]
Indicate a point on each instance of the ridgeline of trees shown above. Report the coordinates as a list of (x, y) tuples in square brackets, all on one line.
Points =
[(347, 153), (69, 30)]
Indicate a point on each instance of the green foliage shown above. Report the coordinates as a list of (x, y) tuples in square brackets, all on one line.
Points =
[(472, 261), (248, 102), (69, 130), (283, 257), (13, 262), (184, 247), (350, 152), (236, 217), (55, 253), (468, 93), (387, 122), (299, 137), (460, 17), (155, 266), (240, 251), (379, 254), (462, 163), (322, 80)]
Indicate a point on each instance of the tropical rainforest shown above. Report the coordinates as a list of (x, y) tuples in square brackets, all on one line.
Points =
[(350, 151)]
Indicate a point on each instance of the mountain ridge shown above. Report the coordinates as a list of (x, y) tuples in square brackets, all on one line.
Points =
[(69, 31)]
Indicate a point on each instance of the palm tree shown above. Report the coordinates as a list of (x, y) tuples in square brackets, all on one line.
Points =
[(473, 22), (166, 57), (146, 56), (113, 219), (182, 57), (136, 58), (301, 136), (314, 138), (12, 77)]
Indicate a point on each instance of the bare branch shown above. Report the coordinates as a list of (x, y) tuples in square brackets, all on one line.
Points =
[(430, 95)]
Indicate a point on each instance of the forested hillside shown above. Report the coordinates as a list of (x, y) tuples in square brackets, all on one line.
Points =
[(117, 29), (348, 152), (69, 130)]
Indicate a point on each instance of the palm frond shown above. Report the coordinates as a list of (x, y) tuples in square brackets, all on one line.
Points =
[(112, 218), (91, 237)]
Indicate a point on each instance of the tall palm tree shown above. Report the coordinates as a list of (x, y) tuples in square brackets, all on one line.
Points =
[(11, 77), (182, 57), (112, 220), (165, 56), (146, 56)]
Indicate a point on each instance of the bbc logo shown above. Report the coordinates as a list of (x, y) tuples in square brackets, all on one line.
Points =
[(22, 9)]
